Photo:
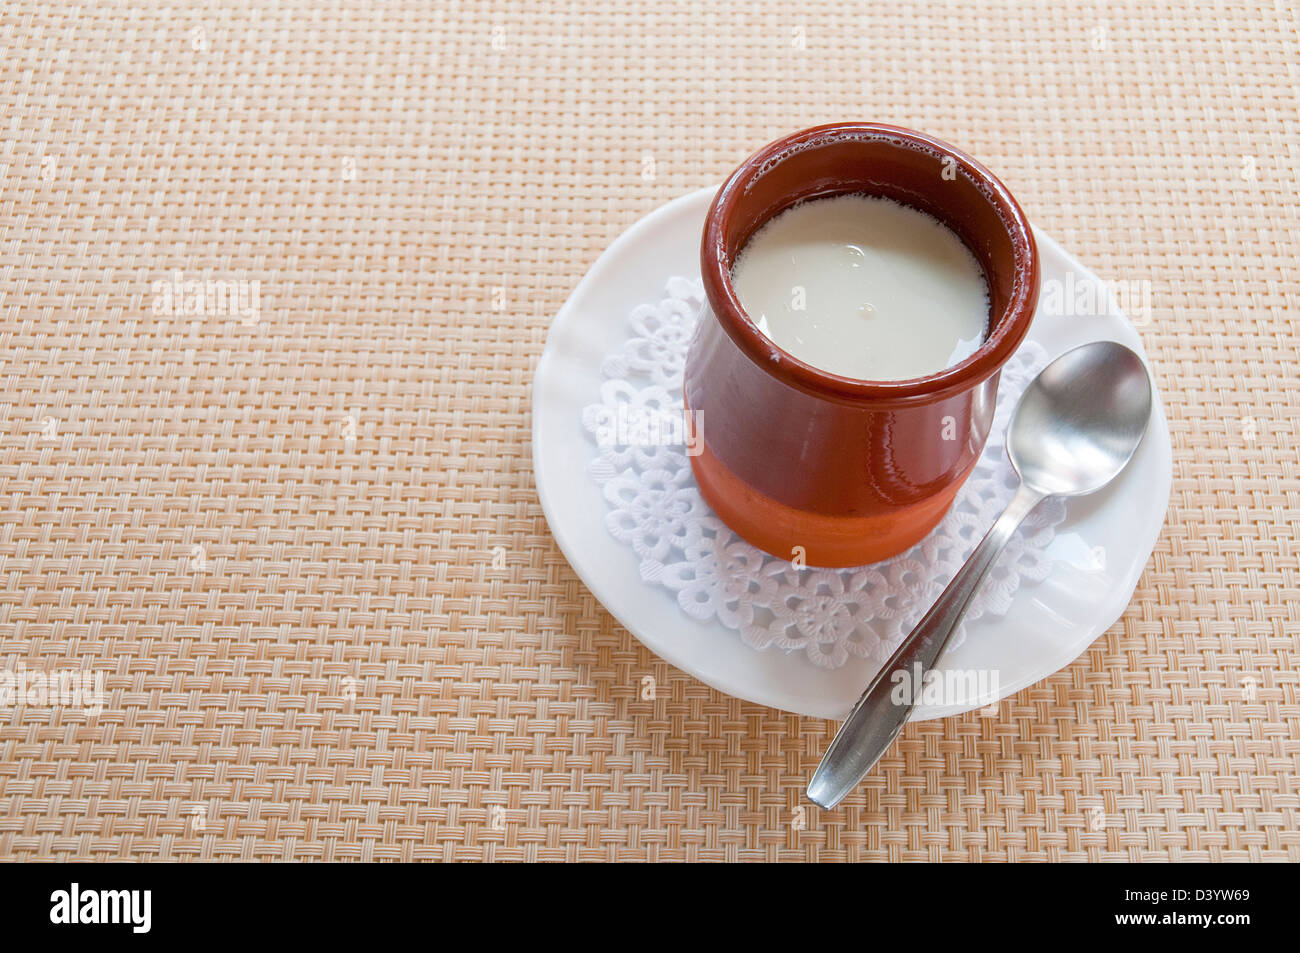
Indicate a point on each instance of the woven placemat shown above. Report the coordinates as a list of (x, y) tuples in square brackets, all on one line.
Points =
[(273, 282)]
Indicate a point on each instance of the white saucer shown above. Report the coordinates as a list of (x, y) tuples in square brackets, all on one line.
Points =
[(1100, 549)]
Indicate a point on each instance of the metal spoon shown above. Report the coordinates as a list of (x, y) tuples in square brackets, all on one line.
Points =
[(1077, 425)]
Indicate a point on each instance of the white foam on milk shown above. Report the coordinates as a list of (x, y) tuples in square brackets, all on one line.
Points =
[(864, 287)]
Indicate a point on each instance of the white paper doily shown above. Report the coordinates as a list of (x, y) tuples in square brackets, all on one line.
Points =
[(832, 615)]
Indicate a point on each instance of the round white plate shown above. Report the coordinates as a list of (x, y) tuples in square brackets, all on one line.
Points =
[(1100, 549)]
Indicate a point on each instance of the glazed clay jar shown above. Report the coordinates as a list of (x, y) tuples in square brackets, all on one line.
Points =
[(810, 465)]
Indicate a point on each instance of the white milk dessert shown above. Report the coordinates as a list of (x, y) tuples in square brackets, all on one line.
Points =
[(864, 287)]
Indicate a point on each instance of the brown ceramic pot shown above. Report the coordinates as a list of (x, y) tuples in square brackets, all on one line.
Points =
[(803, 462)]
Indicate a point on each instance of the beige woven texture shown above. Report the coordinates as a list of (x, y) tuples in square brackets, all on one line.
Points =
[(303, 545)]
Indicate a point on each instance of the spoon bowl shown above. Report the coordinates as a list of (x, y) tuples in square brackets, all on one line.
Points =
[(1080, 421)]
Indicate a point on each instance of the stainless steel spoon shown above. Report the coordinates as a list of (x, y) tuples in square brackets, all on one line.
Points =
[(1077, 425)]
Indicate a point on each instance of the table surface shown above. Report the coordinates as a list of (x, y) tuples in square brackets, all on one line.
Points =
[(298, 533)]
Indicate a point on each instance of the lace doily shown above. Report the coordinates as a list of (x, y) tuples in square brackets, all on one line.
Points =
[(831, 615)]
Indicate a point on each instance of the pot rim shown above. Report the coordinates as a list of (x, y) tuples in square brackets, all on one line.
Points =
[(987, 359)]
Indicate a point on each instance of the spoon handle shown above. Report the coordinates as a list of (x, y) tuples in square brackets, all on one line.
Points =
[(878, 717)]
